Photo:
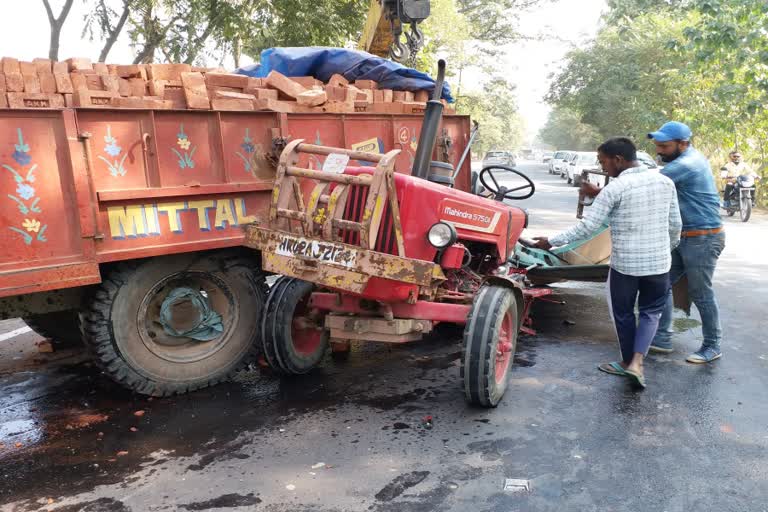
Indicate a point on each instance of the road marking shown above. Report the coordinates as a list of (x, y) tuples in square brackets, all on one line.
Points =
[(13, 334)]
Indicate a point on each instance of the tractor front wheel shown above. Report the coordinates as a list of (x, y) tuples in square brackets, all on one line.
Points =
[(490, 340), (293, 335)]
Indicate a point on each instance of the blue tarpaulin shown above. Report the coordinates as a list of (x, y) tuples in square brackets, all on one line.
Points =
[(322, 63)]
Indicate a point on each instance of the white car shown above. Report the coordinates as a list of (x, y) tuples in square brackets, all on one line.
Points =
[(642, 157), (581, 161), (557, 162)]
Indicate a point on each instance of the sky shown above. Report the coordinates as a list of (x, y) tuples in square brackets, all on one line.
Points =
[(24, 34)]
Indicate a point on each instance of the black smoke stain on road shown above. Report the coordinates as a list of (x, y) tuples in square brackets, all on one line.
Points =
[(224, 501), (398, 486)]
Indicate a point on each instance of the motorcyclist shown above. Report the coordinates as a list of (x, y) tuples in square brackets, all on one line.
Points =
[(732, 170)]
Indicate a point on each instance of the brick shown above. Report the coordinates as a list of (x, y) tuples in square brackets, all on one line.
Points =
[(398, 96), (86, 98), (60, 68), (312, 98), (63, 84), (362, 106), (266, 94), (43, 66), (79, 64), (94, 82), (275, 105), (100, 68), (176, 96), (132, 71), (253, 84), (14, 82), (227, 80), (156, 87), (338, 80), (2, 85), (123, 87), (378, 96), (10, 65), (220, 94), (365, 84), (422, 96), (112, 69), (307, 81), (47, 83), (31, 83), (337, 107), (232, 104), (27, 68), (167, 71), (413, 107), (138, 87), (388, 95), (195, 91), (110, 83), (146, 103), (78, 81), (3, 101), (284, 85), (336, 93), (409, 96), (69, 100), (34, 100), (387, 108)]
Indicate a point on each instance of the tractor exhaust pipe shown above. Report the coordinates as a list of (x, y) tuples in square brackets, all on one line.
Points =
[(432, 116)]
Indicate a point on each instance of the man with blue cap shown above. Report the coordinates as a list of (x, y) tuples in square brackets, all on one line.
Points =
[(702, 239)]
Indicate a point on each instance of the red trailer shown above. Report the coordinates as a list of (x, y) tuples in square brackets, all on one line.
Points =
[(128, 224)]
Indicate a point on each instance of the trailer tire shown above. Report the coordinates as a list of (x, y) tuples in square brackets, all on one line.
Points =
[(490, 340), (61, 327), (122, 328), (289, 348)]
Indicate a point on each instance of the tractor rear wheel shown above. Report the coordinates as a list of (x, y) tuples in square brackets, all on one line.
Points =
[(61, 327), (490, 340), (170, 325), (293, 336)]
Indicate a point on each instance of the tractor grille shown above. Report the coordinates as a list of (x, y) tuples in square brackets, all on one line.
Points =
[(353, 211)]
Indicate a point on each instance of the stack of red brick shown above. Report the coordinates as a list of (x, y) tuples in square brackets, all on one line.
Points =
[(43, 83)]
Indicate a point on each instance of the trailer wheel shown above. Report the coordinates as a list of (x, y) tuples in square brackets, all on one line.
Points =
[(61, 327), (175, 324), (490, 339), (294, 337)]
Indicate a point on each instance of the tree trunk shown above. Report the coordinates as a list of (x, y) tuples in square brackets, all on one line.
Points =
[(56, 23), (115, 32)]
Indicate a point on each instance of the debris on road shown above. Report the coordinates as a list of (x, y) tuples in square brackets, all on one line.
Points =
[(318, 465), (122, 453), (290, 487), (139, 414), (517, 485)]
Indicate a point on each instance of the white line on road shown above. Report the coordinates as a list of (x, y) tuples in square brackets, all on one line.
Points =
[(13, 334)]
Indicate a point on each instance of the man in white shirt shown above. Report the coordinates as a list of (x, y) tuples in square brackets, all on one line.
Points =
[(641, 209)]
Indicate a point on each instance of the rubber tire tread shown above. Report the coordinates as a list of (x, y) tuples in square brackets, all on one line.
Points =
[(276, 325), (61, 327), (97, 334), (745, 216), (481, 336)]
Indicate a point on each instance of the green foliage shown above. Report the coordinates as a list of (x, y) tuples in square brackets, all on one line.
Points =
[(495, 109), (565, 130)]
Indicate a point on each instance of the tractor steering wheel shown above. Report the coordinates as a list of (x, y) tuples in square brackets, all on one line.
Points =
[(500, 192)]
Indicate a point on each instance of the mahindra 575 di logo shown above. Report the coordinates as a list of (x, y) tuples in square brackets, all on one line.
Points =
[(473, 218)]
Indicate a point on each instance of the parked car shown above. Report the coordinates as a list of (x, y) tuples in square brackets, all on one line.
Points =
[(642, 157), (499, 158), (581, 161), (546, 157), (558, 161)]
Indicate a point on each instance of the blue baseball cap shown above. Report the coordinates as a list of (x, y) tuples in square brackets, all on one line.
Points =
[(672, 130)]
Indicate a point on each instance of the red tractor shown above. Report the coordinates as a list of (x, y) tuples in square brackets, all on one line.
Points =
[(375, 255)]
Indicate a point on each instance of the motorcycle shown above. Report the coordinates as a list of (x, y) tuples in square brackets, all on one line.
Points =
[(740, 199)]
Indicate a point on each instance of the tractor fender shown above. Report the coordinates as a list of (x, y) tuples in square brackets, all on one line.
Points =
[(514, 285)]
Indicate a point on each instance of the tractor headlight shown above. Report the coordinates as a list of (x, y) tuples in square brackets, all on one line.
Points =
[(441, 235)]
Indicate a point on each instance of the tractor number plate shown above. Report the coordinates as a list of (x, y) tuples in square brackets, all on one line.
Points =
[(324, 252)]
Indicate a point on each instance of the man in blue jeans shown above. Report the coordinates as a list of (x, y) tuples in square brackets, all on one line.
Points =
[(702, 239)]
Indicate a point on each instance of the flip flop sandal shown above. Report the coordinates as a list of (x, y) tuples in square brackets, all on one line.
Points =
[(635, 378), (613, 368)]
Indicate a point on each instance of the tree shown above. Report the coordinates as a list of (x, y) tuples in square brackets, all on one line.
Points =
[(107, 22), (494, 107), (56, 22), (565, 130)]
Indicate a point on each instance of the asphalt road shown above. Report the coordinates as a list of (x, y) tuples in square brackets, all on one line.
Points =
[(352, 436)]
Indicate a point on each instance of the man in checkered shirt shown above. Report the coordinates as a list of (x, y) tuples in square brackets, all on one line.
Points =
[(641, 208)]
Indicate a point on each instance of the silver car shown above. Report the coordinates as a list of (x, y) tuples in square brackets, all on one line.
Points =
[(499, 158)]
